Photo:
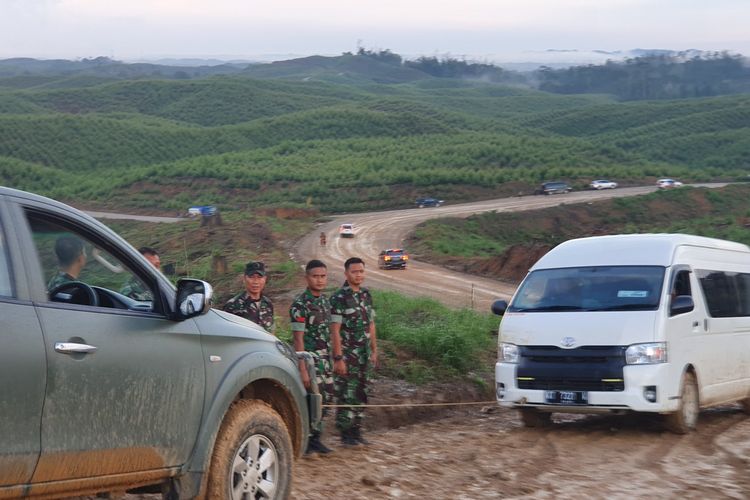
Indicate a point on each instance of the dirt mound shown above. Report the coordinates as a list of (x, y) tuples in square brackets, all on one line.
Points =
[(512, 264)]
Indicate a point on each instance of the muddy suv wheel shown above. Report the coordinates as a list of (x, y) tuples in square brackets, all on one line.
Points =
[(252, 458), (685, 418), (532, 417)]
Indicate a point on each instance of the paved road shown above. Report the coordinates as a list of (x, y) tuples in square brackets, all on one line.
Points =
[(376, 231)]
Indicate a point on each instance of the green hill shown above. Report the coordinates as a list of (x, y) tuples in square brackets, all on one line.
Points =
[(346, 146)]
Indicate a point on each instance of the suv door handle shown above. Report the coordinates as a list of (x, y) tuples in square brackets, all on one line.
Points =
[(74, 348)]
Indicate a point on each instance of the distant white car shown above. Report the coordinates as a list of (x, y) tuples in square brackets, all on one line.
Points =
[(667, 183), (603, 184), (346, 230)]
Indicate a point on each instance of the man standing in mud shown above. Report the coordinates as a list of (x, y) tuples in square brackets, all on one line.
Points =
[(310, 315), (252, 304), (355, 349)]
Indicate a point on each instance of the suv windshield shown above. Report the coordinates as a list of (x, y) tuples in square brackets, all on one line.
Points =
[(601, 288)]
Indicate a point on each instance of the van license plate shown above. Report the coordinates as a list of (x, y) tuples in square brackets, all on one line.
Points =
[(566, 397)]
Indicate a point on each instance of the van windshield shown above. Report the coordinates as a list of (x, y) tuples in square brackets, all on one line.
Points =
[(601, 288)]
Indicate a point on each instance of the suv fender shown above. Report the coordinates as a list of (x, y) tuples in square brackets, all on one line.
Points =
[(264, 376)]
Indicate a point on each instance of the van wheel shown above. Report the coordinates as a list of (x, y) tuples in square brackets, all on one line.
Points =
[(252, 457), (685, 418), (532, 417)]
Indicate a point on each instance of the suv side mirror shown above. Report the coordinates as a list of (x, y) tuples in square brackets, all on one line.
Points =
[(499, 307), (681, 304), (193, 298)]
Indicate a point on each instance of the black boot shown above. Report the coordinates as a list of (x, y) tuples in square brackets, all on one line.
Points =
[(357, 434), (347, 438), (317, 445), (314, 445)]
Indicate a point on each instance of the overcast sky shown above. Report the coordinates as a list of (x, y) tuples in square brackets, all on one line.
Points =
[(498, 29)]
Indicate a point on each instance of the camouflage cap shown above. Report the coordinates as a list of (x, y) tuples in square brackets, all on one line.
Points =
[(255, 267)]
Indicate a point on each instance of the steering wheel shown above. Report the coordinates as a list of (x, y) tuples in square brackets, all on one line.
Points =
[(80, 293)]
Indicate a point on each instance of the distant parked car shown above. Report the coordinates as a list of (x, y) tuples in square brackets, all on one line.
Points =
[(346, 230), (205, 210), (393, 258), (554, 188), (428, 202), (667, 183), (603, 184)]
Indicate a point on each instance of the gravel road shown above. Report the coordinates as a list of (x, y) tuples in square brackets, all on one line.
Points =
[(376, 231)]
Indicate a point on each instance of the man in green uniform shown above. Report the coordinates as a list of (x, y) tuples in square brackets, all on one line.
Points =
[(355, 349), (310, 315), (134, 287), (71, 256), (251, 303)]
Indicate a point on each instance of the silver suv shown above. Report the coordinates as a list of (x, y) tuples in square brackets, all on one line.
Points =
[(101, 392)]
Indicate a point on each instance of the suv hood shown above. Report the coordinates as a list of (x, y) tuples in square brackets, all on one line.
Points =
[(224, 324)]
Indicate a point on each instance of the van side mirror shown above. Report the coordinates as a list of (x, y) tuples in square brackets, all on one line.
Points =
[(499, 307), (681, 304), (193, 298)]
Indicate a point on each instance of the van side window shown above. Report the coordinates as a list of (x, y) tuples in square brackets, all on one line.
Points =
[(720, 291), (78, 271), (6, 285), (743, 289)]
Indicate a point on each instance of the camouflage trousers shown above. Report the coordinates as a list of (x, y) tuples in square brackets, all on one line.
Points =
[(351, 389), (324, 379)]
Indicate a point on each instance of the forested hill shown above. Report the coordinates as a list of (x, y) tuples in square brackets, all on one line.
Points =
[(344, 142), (661, 75)]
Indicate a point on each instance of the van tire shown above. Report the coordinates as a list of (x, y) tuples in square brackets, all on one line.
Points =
[(250, 424), (531, 417), (685, 419)]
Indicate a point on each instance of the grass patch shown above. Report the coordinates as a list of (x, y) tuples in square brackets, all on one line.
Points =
[(441, 342)]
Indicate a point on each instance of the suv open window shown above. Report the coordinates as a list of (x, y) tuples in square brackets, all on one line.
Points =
[(78, 270), (6, 284)]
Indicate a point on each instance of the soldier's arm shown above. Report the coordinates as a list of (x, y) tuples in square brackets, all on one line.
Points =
[(298, 319), (339, 366)]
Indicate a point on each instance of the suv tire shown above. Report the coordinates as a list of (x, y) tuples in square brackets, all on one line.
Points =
[(253, 452), (685, 419)]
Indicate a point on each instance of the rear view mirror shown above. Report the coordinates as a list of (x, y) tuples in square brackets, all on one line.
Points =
[(193, 298), (499, 307), (681, 304)]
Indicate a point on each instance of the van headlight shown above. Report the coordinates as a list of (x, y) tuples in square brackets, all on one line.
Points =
[(507, 353), (646, 354)]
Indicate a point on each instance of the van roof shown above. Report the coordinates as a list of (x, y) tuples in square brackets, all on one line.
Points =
[(628, 250)]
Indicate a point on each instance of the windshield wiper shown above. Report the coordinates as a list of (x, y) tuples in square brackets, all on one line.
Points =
[(547, 309), (626, 307)]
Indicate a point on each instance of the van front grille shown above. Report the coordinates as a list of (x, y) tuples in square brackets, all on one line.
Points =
[(587, 368)]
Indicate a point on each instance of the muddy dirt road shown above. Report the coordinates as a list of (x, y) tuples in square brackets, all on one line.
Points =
[(473, 454), (376, 231)]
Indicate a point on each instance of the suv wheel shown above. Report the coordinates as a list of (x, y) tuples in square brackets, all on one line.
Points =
[(252, 456)]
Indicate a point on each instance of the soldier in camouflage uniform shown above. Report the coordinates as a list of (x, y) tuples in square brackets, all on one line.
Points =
[(310, 315), (355, 349), (251, 303), (71, 256), (134, 287)]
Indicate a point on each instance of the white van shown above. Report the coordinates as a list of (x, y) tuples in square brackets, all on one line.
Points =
[(646, 322)]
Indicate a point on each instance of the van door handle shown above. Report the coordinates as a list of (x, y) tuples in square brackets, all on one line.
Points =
[(705, 324), (74, 348)]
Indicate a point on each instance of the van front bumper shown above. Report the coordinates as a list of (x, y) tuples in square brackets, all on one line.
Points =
[(637, 380)]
